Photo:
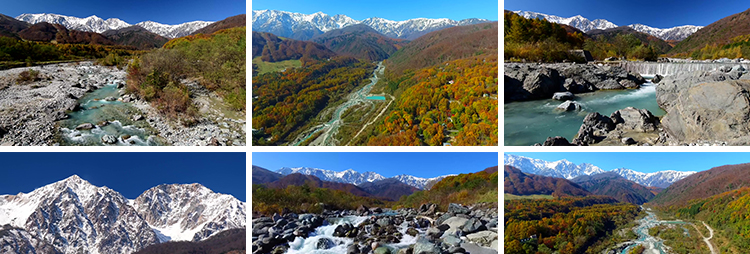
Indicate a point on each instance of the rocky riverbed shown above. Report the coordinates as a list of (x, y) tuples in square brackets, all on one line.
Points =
[(460, 229), (43, 110)]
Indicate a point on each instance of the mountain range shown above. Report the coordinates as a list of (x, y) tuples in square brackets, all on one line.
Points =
[(99, 25), (351, 176), (677, 33), (74, 216), (568, 170), (305, 26)]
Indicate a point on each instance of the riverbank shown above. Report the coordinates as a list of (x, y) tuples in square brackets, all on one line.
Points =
[(460, 229), (60, 104)]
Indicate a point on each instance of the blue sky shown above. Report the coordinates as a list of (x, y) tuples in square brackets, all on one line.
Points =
[(386, 164), (660, 14), (647, 162), (132, 11), (128, 173), (397, 10)]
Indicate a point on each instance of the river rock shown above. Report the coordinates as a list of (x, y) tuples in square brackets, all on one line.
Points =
[(472, 225), (382, 250), (385, 221), (609, 84), (657, 78), (483, 238), (85, 126), (631, 118), (593, 128), (670, 87), (454, 224), (556, 141), (628, 141), (569, 106), (353, 249), (716, 111), (324, 244), (457, 209), (562, 96), (424, 246), (109, 139), (627, 83), (137, 117)]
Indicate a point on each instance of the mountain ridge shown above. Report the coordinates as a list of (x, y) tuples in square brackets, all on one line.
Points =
[(304, 26), (99, 25), (353, 177), (674, 33), (566, 169)]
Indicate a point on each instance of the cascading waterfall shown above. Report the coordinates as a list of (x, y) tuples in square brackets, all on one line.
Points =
[(672, 68), (309, 244)]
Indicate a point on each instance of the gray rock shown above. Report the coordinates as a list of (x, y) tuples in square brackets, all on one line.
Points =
[(110, 98), (562, 96), (628, 141), (556, 141), (457, 209), (594, 127), (382, 250), (609, 84), (109, 139), (353, 249), (137, 117), (483, 238), (455, 224), (324, 244), (473, 225), (657, 78), (627, 83), (424, 246), (85, 126), (711, 111), (631, 118), (384, 221), (569, 106)]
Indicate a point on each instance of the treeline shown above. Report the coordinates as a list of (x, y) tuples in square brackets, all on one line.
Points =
[(455, 102), (306, 199), (562, 225), (217, 61), (539, 40), (739, 47), (622, 45), (286, 101), (14, 50), (464, 188)]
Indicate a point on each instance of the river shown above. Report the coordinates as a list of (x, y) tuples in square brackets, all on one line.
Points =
[(530, 122), (329, 129), (652, 244)]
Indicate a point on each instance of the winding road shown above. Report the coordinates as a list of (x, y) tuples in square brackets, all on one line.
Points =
[(706, 239)]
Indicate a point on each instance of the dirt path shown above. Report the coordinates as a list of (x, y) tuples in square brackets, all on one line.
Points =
[(706, 239), (372, 121)]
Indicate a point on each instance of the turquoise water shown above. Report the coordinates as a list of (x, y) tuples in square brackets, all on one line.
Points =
[(529, 122), (95, 110), (379, 98)]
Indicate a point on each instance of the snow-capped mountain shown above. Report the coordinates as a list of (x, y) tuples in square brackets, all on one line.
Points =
[(173, 31), (353, 177), (675, 33), (660, 179), (304, 26), (89, 24), (346, 176), (566, 169), (74, 216), (98, 25), (577, 21), (418, 182), (189, 212)]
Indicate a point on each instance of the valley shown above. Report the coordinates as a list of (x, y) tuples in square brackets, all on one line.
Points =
[(699, 212), (435, 82), (90, 81), (312, 210)]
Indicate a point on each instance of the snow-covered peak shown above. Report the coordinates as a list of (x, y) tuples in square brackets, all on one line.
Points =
[(566, 169), (675, 33), (419, 182), (99, 25), (353, 177), (290, 24)]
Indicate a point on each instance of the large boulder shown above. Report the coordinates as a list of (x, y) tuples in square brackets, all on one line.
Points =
[(527, 82), (670, 87), (455, 223), (483, 238), (569, 106), (557, 141), (716, 111), (424, 246), (457, 209), (631, 118), (562, 96), (595, 126)]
